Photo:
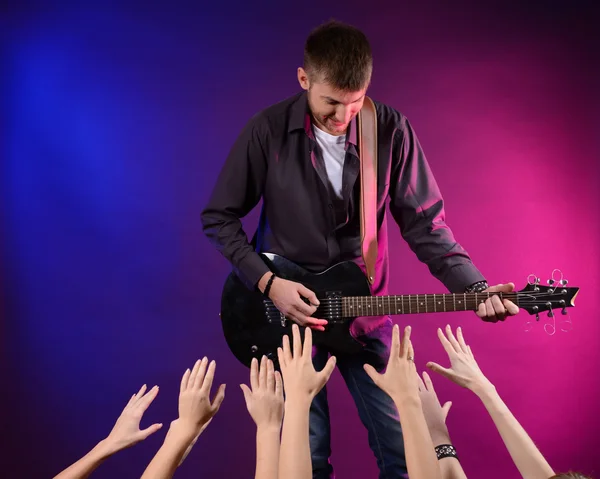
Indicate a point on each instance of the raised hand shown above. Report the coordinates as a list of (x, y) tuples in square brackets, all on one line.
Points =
[(400, 378), (299, 376), (463, 370), (264, 397), (126, 431), (195, 407), (435, 414), (494, 309)]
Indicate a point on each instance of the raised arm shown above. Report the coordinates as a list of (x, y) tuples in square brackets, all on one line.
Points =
[(195, 413), (301, 383), (264, 400), (465, 372), (400, 382), (125, 433), (435, 416)]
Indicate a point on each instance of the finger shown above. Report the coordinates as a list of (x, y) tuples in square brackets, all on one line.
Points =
[(372, 373), (206, 384), (254, 374), (512, 308), (422, 386), (247, 394), (184, 380), (452, 340), (262, 374), (218, 399), (308, 294), (395, 348), (130, 402), (405, 344), (201, 373), (287, 350), (470, 352), (461, 340), (297, 341), (436, 368), (278, 385), (307, 346), (302, 308), (143, 434), (194, 373), (147, 399), (270, 376), (310, 321), (446, 409), (499, 309), (139, 394), (503, 288), (411, 352), (481, 310), (325, 373), (281, 358), (447, 346), (428, 382), (489, 310)]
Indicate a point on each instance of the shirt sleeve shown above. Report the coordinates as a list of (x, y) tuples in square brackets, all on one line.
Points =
[(237, 191), (418, 208)]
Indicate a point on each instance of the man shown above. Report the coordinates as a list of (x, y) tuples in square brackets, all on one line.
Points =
[(301, 157)]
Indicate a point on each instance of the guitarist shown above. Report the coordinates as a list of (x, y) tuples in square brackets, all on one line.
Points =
[(301, 157)]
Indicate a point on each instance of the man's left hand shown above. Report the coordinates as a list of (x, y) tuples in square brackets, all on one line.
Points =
[(494, 309)]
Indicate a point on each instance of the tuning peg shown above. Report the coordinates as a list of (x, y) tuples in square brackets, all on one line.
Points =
[(537, 316), (563, 282), (550, 314), (550, 282), (564, 312)]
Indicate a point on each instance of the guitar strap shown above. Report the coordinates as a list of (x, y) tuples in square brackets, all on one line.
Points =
[(367, 137)]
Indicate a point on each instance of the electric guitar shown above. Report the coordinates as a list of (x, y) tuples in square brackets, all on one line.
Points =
[(254, 327)]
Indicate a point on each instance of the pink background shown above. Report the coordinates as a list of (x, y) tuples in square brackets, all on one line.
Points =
[(118, 121)]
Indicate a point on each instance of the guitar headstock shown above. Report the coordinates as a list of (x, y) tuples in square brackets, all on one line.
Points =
[(536, 298)]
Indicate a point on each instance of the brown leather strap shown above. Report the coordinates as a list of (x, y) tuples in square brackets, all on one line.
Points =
[(367, 131)]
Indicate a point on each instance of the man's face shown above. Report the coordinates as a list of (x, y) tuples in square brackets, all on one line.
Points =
[(332, 109)]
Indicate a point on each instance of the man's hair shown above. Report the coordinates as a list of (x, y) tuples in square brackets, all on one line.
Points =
[(570, 475), (338, 54)]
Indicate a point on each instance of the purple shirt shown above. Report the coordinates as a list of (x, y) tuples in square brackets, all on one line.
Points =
[(277, 158)]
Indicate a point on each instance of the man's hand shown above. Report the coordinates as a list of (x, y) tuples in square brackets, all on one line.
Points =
[(400, 378), (287, 297), (463, 370), (265, 400), (494, 309), (126, 431), (435, 414), (195, 408), (300, 379)]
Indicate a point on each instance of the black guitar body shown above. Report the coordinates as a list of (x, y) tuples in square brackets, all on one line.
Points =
[(253, 327)]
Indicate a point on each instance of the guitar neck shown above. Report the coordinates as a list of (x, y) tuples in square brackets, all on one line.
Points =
[(417, 303)]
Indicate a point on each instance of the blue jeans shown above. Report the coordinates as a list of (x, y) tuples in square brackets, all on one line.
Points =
[(375, 409)]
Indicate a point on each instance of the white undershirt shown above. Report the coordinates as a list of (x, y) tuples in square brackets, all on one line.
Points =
[(334, 154)]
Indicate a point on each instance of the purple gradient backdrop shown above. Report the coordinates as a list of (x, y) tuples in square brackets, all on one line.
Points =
[(117, 123)]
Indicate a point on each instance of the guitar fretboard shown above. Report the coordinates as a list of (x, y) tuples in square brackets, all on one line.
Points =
[(416, 303)]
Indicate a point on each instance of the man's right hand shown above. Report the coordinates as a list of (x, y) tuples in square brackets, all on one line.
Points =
[(287, 297)]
